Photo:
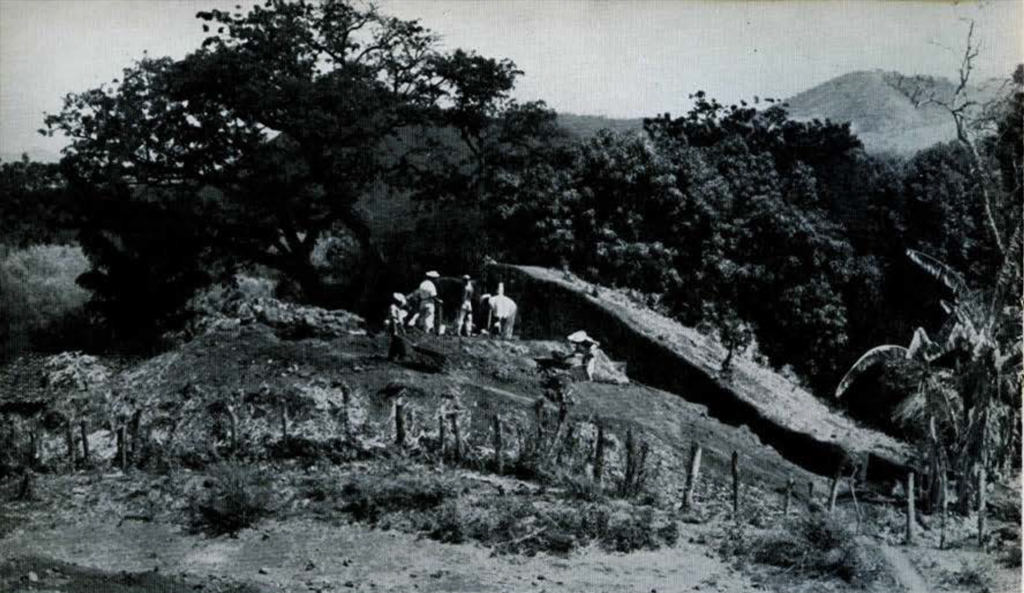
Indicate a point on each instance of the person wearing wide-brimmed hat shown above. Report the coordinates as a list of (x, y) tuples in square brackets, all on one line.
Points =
[(501, 312), (426, 296), (586, 348)]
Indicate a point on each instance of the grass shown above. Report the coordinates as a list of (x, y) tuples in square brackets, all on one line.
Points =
[(236, 497), (814, 546)]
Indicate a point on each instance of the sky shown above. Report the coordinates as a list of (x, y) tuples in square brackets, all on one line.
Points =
[(613, 58)]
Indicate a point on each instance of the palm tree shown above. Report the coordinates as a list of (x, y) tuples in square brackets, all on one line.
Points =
[(966, 402)]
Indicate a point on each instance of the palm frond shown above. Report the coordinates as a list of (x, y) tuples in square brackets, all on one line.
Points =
[(870, 358), (939, 270)]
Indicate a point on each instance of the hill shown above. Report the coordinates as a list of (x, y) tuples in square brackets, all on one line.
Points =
[(877, 105)]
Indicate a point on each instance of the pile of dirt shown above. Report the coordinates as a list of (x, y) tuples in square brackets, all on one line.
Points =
[(665, 354), (288, 320)]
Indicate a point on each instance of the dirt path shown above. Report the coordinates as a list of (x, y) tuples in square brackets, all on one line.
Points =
[(306, 555), (908, 576)]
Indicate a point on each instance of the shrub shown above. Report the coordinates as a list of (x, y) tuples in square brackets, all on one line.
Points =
[(40, 293), (815, 545), (237, 497), (372, 495)]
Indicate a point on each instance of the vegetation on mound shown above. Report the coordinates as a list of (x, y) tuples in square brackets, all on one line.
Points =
[(235, 497), (817, 545)]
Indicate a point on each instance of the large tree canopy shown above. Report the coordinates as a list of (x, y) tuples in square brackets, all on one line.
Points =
[(264, 139)]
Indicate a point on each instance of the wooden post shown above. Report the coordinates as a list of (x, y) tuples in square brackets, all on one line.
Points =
[(810, 495), (233, 428), (84, 429), (400, 422), (692, 475), (345, 403), (981, 504), (284, 420), (944, 502), (33, 436), (134, 449), (538, 413), (455, 435), (736, 486), (789, 495), (122, 446), (499, 454), (630, 474), (599, 454), (910, 508), (441, 434), (69, 438), (833, 492)]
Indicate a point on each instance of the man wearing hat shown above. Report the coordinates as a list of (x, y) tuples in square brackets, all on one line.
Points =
[(427, 296), (464, 319), (586, 348)]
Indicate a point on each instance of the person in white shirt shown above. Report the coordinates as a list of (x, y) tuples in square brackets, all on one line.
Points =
[(426, 295), (501, 312), (464, 319)]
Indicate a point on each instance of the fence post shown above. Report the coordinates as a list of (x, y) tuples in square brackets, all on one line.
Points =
[(499, 455), (944, 502), (84, 429), (69, 439), (233, 428), (692, 475), (399, 422), (441, 429), (284, 420), (736, 486), (455, 435), (599, 454), (630, 473), (981, 504), (789, 495), (346, 400), (833, 492), (910, 508), (123, 446), (810, 495)]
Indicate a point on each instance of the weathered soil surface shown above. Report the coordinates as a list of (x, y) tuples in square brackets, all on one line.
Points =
[(100, 529)]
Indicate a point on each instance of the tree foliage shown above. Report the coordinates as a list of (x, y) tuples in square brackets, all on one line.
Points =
[(265, 138)]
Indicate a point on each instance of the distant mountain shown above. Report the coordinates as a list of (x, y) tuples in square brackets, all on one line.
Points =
[(585, 126), (41, 155), (880, 112)]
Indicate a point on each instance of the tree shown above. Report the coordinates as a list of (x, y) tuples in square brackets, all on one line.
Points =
[(34, 203), (267, 135), (965, 402)]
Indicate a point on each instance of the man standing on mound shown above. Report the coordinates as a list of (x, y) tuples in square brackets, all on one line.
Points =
[(427, 296)]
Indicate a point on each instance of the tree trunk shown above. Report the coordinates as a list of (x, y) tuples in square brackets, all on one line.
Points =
[(944, 502), (833, 492)]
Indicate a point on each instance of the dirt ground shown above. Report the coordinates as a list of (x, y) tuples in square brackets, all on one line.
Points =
[(103, 530)]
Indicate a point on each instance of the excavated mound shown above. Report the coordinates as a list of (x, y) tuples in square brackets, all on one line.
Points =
[(665, 354)]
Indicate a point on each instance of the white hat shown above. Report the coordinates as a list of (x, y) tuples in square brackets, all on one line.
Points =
[(466, 277), (433, 274), (399, 297), (485, 297), (579, 337)]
